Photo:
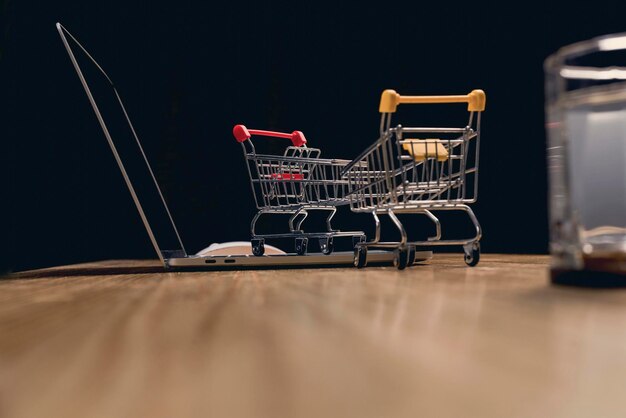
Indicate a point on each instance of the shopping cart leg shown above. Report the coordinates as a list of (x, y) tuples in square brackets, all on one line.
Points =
[(253, 223), (433, 218), (401, 254), (400, 227), (296, 228), (377, 221), (357, 239), (472, 217), (472, 250), (329, 218), (412, 253)]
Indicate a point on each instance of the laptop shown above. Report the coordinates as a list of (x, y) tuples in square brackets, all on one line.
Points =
[(146, 193)]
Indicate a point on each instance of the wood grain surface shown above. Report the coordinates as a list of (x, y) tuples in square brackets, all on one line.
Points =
[(124, 339)]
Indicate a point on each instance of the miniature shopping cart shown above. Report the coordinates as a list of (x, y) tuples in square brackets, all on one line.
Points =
[(295, 183), (418, 170)]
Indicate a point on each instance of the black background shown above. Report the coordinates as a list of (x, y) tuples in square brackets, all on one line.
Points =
[(189, 71)]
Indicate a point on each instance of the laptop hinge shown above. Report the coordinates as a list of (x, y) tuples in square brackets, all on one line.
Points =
[(167, 254)]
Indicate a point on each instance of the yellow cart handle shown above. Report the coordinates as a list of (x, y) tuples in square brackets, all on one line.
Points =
[(390, 100)]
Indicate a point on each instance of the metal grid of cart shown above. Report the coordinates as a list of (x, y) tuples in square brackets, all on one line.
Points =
[(296, 182), (418, 170)]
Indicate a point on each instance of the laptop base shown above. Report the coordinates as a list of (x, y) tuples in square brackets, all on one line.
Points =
[(336, 259)]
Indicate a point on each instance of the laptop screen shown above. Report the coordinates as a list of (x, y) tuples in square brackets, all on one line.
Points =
[(127, 150)]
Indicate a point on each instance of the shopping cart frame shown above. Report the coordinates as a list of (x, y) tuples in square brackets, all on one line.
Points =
[(305, 182), (383, 187)]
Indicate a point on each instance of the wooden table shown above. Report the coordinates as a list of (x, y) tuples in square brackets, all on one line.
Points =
[(122, 339)]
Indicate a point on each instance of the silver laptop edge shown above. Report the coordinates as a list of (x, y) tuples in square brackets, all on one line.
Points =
[(62, 32), (181, 258)]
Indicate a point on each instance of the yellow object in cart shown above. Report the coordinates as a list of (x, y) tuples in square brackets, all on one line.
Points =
[(422, 149)]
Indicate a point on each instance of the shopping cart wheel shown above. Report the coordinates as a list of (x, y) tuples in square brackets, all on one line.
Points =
[(412, 251), (401, 258), (326, 245), (301, 244), (360, 257), (472, 254), (258, 246)]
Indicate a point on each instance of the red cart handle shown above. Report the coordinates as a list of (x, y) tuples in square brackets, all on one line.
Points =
[(242, 133)]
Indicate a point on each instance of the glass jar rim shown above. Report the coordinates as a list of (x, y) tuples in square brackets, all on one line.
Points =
[(605, 43)]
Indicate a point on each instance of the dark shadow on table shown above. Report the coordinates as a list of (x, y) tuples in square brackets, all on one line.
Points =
[(89, 269)]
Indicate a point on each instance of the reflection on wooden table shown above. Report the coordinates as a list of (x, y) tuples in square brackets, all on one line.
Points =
[(122, 338)]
